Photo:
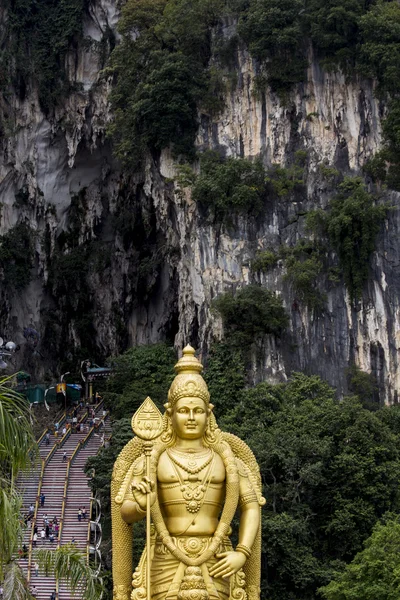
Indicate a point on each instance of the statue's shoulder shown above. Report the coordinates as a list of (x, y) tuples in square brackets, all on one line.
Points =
[(246, 462), (241, 451), (130, 456)]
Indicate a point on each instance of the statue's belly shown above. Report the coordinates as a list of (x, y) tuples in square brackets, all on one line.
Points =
[(191, 509)]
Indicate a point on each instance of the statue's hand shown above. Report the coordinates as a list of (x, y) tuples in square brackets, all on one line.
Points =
[(141, 490), (229, 564)]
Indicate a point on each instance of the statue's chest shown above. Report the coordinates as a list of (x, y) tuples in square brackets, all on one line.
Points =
[(190, 469)]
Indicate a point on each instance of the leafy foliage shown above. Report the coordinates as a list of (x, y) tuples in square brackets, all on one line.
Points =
[(304, 263), (374, 572), (264, 260), (41, 33), (380, 47), (351, 224), (329, 471), (285, 180), (250, 314), (272, 30), (16, 250), (162, 75), (231, 185), (140, 372), (364, 385), (17, 450), (69, 563)]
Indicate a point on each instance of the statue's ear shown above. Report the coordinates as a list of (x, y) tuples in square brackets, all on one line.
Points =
[(168, 408), (210, 408)]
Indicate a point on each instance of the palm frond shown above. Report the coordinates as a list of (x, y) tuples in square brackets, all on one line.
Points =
[(15, 585), (68, 563), (16, 435), (10, 524)]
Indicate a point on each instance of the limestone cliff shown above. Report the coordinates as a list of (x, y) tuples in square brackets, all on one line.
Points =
[(154, 263)]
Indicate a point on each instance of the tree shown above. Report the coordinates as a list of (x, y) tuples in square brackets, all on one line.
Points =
[(330, 471), (374, 574)]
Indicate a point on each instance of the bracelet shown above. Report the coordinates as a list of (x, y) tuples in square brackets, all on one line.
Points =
[(244, 550), (139, 510)]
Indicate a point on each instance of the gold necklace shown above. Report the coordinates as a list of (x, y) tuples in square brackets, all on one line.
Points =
[(194, 495), (191, 466)]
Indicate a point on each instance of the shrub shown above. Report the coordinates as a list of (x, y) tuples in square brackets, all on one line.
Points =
[(264, 261), (302, 272), (380, 45), (352, 223), (229, 185), (140, 372), (250, 314), (285, 180)]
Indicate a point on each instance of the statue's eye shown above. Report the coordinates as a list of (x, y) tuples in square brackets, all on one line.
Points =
[(199, 411)]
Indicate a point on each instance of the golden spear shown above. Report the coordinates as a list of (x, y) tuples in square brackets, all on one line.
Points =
[(147, 424)]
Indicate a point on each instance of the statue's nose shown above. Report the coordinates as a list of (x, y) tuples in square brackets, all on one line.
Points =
[(191, 415)]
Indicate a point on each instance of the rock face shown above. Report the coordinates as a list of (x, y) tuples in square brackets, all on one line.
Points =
[(153, 263)]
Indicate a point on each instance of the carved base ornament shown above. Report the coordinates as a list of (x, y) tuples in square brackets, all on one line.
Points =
[(188, 478)]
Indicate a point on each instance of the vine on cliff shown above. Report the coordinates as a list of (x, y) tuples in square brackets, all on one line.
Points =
[(41, 33), (351, 224)]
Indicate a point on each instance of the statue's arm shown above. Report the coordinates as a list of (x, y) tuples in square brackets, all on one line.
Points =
[(250, 511), (131, 512), (133, 508), (230, 562)]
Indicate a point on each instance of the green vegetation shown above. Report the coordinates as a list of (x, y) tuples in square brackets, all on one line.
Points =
[(273, 32), (141, 371), (285, 180), (226, 186), (265, 260), (41, 33), (16, 256), (374, 572), (249, 314), (304, 263), (323, 464), (162, 75), (351, 225), (364, 385)]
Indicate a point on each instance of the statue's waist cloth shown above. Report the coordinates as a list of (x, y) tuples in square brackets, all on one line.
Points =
[(167, 572)]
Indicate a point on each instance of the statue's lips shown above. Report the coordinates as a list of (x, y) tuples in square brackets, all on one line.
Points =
[(191, 426)]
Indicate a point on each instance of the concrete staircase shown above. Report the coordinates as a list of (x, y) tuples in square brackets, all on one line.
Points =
[(66, 488)]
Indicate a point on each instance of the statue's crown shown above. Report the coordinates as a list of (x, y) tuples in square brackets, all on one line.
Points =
[(188, 382)]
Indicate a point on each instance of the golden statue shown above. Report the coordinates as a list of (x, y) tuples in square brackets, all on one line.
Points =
[(194, 477)]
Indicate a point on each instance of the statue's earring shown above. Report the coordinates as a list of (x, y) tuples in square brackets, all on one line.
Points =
[(212, 431), (168, 435)]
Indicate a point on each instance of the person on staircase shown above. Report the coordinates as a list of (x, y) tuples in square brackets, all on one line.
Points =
[(84, 513), (53, 595), (43, 535), (36, 567), (42, 499), (64, 458), (79, 514)]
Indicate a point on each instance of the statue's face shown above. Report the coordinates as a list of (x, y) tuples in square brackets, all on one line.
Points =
[(189, 418)]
